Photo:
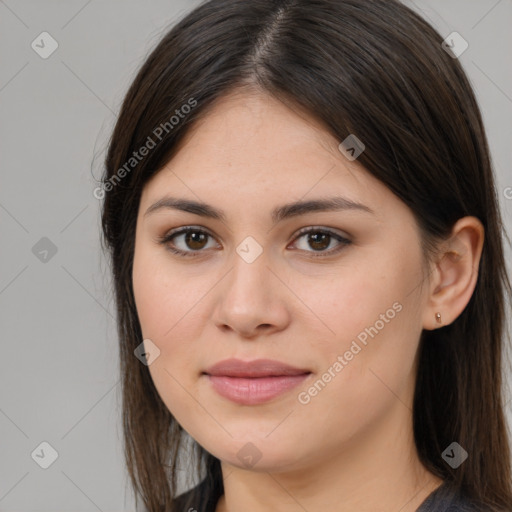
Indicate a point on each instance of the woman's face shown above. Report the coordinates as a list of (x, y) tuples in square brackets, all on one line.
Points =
[(344, 305)]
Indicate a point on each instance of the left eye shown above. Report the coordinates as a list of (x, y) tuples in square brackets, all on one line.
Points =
[(320, 239), (194, 240)]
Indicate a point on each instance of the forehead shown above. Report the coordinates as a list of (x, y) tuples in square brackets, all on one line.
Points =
[(245, 127), (251, 150)]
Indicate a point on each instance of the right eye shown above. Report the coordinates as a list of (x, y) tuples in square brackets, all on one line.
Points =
[(191, 239)]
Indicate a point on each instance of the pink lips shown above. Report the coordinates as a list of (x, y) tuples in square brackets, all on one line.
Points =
[(253, 382)]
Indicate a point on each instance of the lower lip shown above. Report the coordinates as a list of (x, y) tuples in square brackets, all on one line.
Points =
[(253, 391)]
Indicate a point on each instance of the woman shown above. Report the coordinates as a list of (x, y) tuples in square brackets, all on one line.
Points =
[(308, 266)]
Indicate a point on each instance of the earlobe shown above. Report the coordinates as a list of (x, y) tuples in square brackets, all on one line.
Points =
[(455, 274)]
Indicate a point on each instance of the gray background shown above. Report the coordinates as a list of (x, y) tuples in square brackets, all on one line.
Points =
[(59, 379)]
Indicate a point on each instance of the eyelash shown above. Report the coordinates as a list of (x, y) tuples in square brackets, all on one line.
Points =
[(166, 239)]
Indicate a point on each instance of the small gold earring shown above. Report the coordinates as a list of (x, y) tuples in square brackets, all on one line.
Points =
[(438, 318)]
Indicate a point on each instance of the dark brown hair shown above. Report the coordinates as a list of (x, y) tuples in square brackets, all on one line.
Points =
[(374, 69)]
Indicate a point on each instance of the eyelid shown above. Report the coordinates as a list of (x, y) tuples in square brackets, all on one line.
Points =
[(188, 227), (323, 229)]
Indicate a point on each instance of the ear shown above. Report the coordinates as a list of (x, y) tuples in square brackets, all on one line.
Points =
[(454, 273)]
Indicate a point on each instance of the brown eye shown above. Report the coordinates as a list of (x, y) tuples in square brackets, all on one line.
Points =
[(195, 240), (187, 241), (319, 240)]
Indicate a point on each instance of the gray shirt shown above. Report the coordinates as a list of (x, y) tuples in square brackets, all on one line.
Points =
[(442, 499)]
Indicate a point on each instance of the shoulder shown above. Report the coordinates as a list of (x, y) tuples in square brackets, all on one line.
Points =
[(448, 499), (201, 498)]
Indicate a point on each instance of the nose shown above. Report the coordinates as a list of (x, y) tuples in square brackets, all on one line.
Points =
[(252, 299)]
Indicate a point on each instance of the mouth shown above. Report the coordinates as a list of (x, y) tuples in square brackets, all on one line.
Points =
[(254, 382)]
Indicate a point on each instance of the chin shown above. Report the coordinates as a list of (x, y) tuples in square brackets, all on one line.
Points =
[(254, 454)]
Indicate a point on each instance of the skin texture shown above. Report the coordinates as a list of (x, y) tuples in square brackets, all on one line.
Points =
[(352, 442)]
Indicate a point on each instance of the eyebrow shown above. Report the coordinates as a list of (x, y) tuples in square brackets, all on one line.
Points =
[(279, 213)]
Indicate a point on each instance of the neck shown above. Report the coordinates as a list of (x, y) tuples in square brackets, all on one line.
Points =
[(378, 469)]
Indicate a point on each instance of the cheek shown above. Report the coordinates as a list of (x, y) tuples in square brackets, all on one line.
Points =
[(171, 307), (371, 317), (368, 367), (166, 312), (372, 293), (166, 301)]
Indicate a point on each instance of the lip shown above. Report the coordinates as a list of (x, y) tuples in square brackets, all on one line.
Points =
[(254, 382), (254, 368)]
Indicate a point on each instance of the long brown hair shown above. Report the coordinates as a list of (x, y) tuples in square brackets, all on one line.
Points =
[(375, 69)]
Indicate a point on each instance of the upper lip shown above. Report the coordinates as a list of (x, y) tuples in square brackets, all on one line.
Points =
[(254, 368)]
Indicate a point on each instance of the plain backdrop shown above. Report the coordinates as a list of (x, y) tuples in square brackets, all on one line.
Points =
[(59, 377)]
